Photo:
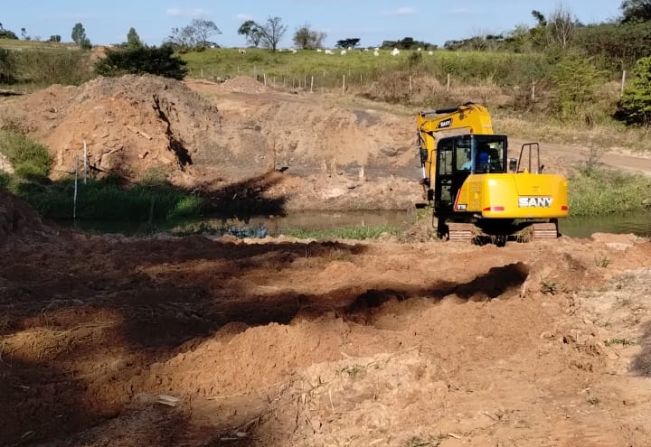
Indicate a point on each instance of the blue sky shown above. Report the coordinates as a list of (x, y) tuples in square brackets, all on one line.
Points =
[(373, 21)]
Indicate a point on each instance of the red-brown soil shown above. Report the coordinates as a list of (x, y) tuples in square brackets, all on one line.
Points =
[(197, 342)]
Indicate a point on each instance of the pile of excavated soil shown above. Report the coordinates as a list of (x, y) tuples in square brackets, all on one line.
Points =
[(18, 222), (312, 134), (130, 124), (163, 341)]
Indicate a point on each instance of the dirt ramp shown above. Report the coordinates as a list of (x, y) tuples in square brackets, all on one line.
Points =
[(130, 124)]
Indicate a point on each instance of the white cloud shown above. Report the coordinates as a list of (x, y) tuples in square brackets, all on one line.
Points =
[(462, 11), (244, 16), (187, 12), (402, 11)]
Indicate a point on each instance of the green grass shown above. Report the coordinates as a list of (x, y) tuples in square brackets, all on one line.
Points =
[(29, 65), (107, 200), (12, 44), (363, 232), (361, 67), (30, 159), (603, 191)]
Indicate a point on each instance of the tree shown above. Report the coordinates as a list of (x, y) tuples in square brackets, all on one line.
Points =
[(271, 33), (55, 38), (194, 36), (636, 10), (561, 27), (24, 35), (348, 43), (79, 36), (635, 105), (308, 39), (139, 60), (252, 32), (541, 21), (7, 34), (133, 39)]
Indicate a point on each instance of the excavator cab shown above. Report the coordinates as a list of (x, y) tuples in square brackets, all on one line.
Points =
[(461, 156)]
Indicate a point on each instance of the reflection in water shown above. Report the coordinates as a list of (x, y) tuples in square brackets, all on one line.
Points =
[(638, 223)]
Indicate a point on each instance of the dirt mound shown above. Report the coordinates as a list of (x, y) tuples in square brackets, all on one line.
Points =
[(18, 222), (130, 124), (196, 342), (311, 134)]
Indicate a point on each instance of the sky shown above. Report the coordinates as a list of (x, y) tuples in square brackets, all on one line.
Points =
[(434, 21)]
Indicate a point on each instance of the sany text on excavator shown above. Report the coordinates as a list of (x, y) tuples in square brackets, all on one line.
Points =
[(478, 193)]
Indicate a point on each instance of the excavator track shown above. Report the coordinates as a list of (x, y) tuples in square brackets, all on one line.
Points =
[(544, 231), (461, 232)]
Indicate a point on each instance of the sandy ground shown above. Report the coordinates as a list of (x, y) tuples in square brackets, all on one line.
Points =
[(198, 342)]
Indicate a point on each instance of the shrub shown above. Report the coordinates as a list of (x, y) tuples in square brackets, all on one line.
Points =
[(47, 67), (602, 191), (30, 159), (6, 67), (635, 105), (575, 79), (157, 61)]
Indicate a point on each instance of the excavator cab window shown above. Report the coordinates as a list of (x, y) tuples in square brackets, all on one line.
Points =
[(490, 154)]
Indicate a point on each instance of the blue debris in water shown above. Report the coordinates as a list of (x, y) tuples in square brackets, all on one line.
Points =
[(246, 232)]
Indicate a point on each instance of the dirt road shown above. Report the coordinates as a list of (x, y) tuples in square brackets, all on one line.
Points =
[(112, 341), (565, 156)]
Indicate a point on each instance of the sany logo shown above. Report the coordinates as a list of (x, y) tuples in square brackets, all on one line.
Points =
[(535, 202), (446, 123)]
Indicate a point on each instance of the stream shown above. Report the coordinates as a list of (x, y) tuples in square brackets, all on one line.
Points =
[(638, 223)]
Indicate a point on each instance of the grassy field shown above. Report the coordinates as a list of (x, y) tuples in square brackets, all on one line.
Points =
[(12, 44), (361, 67)]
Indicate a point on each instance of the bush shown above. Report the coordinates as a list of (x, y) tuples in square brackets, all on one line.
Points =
[(635, 105), (615, 45), (47, 67), (30, 159), (601, 191), (575, 79), (6, 67), (157, 61)]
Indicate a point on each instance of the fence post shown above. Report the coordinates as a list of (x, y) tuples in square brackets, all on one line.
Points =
[(623, 83), (343, 84), (312, 85), (448, 83), (264, 75), (533, 90), (74, 197), (85, 163), (411, 85)]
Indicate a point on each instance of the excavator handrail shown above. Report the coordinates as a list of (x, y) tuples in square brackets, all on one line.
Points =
[(530, 146)]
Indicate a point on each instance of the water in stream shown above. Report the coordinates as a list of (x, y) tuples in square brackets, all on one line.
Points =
[(637, 223)]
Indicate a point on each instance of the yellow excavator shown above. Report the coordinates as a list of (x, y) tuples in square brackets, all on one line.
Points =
[(477, 192)]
